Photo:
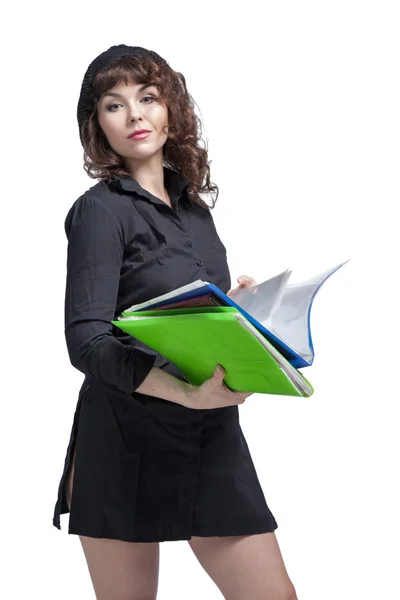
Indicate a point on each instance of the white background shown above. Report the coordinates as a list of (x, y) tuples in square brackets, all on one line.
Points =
[(300, 106)]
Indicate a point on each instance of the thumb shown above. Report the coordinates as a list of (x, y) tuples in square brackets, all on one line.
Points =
[(245, 281), (219, 372)]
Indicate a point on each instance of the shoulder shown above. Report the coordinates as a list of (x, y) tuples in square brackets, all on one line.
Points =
[(98, 197), (95, 205)]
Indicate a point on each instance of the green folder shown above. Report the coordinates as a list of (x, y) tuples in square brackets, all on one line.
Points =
[(197, 339)]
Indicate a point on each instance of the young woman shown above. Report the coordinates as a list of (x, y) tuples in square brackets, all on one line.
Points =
[(152, 458)]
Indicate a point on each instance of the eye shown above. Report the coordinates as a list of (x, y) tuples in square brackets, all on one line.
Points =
[(110, 105), (151, 98)]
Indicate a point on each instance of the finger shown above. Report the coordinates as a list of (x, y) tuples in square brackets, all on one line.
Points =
[(242, 279), (233, 291), (219, 372), (246, 281)]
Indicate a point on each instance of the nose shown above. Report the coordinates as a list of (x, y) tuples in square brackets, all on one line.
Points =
[(135, 111)]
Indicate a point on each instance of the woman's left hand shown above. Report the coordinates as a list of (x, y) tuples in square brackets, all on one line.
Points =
[(244, 282)]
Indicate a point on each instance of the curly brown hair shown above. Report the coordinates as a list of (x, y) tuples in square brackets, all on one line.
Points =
[(182, 151)]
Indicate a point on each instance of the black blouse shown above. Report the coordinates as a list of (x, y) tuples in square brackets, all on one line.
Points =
[(126, 246)]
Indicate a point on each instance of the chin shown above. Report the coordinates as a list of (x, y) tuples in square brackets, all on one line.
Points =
[(145, 152)]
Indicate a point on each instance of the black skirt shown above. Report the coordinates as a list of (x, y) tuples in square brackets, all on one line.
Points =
[(150, 470)]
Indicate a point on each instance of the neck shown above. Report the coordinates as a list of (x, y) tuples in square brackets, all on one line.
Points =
[(150, 175)]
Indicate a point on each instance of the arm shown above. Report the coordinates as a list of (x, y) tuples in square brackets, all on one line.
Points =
[(167, 387), (213, 393), (94, 258)]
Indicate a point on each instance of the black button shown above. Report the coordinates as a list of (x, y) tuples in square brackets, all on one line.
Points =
[(194, 425), (200, 263), (192, 460)]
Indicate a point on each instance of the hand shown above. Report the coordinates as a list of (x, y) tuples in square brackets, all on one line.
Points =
[(244, 282), (213, 393)]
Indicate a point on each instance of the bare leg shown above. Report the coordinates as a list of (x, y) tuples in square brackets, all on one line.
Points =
[(245, 567), (119, 570)]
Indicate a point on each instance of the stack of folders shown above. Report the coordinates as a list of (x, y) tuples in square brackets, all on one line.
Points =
[(261, 336)]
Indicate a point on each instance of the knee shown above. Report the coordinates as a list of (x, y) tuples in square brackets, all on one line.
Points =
[(286, 593), (289, 594), (136, 596)]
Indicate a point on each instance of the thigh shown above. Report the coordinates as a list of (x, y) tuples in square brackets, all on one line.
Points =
[(245, 566), (119, 570), (122, 570), (69, 480)]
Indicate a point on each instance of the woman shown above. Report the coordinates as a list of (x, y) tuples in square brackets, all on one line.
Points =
[(152, 458)]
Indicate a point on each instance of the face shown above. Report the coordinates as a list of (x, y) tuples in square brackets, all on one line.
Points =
[(126, 108)]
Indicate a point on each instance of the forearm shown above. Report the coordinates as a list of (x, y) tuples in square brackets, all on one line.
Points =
[(162, 385), (107, 359)]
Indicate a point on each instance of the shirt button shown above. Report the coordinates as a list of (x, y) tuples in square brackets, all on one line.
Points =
[(192, 460), (200, 263), (194, 425)]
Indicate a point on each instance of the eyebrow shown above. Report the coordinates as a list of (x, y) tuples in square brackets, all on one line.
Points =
[(115, 95)]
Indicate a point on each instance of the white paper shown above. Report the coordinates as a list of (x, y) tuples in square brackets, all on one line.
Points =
[(262, 300), (290, 321)]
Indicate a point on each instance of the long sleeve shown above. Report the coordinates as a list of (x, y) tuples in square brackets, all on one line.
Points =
[(94, 258)]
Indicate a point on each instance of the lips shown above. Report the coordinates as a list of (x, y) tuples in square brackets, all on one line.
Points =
[(139, 132)]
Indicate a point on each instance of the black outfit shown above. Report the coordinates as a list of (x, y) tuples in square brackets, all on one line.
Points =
[(146, 469)]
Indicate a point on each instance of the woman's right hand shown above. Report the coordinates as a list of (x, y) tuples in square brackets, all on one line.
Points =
[(213, 393)]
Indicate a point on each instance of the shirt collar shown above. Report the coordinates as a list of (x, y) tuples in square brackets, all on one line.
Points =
[(174, 182)]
